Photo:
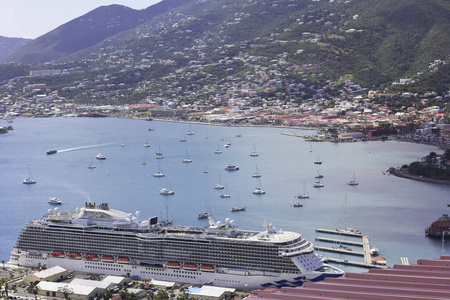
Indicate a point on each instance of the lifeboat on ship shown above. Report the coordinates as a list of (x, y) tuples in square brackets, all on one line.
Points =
[(190, 267), (90, 257), (173, 265), (123, 260), (107, 258), (57, 254), (206, 268), (74, 255)]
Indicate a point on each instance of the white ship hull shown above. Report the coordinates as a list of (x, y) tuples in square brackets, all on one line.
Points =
[(233, 278)]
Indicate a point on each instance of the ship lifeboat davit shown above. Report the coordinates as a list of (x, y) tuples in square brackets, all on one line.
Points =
[(90, 257), (206, 268), (57, 254), (74, 255), (190, 267), (107, 259), (173, 265), (123, 260)]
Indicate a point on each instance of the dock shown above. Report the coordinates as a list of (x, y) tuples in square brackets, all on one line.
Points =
[(339, 232), (364, 243), (353, 263), (342, 251), (341, 242)]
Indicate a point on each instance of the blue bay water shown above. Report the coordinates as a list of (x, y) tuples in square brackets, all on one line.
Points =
[(392, 211)]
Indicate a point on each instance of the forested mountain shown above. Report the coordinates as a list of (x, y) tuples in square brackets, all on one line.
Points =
[(373, 41)]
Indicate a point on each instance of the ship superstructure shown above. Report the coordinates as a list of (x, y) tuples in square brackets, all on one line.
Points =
[(99, 239)]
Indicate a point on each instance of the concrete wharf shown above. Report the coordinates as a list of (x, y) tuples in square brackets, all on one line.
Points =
[(364, 244), (339, 250), (353, 263), (347, 233), (342, 242)]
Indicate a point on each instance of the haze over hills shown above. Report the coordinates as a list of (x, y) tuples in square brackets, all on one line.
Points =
[(375, 41), (7, 45)]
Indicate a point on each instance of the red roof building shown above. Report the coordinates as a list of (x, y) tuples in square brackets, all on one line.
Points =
[(428, 279)]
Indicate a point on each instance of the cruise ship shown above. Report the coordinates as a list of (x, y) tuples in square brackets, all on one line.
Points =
[(100, 239)]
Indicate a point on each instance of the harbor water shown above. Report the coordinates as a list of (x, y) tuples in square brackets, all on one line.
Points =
[(392, 211)]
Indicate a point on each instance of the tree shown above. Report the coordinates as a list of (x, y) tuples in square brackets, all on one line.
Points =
[(33, 289), (66, 291), (4, 286), (3, 262)]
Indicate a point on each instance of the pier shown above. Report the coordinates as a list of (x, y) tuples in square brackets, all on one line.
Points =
[(353, 263), (339, 250), (347, 233), (364, 243), (341, 242)]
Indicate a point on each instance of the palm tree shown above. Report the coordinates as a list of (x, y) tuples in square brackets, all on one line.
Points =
[(5, 287), (3, 262), (33, 289), (66, 291)]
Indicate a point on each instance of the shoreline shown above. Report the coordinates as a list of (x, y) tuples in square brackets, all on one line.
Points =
[(419, 178)]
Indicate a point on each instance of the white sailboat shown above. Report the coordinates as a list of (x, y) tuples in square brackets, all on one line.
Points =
[(206, 214), (258, 190), (226, 194), (318, 161), (29, 180), (256, 174), (318, 184), (347, 229), (304, 195), (167, 190), (254, 153), (187, 159), (238, 208), (218, 151), (91, 166), (219, 186), (353, 182), (158, 173)]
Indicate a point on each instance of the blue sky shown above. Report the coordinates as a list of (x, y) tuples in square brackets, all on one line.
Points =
[(33, 18)]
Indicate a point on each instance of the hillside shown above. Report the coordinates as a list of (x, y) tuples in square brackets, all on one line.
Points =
[(374, 42), (7, 45), (86, 31)]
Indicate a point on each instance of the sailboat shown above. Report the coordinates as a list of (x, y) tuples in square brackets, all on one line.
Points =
[(205, 214), (159, 173), (190, 132), (347, 229), (256, 174), (166, 190), (258, 190), (238, 208), (187, 159), (318, 184), (159, 154), (254, 153), (319, 175), (146, 144), (226, 194), (28, 180), (318, 161), (219, 186), (167, 221), (206, 169), (305, 193), (218, 151), (239, 133), (91, 166), (353, 182)]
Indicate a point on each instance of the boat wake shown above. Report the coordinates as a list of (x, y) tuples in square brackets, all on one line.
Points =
[(88, 147)]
